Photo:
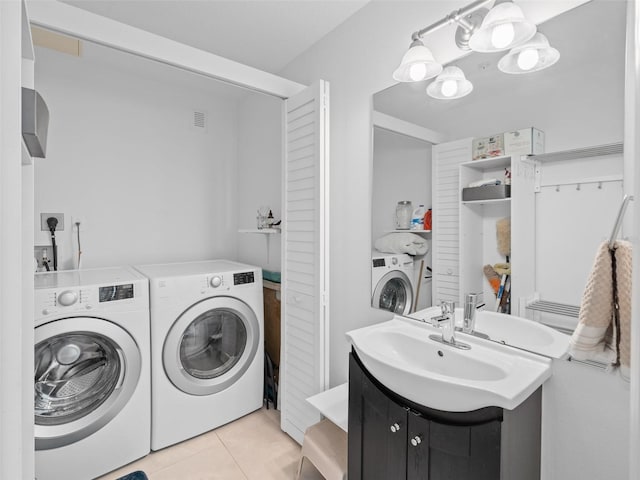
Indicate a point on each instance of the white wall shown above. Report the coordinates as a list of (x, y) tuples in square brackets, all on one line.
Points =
[(259, 177), (124, 157), (586, 422), (358, 58)]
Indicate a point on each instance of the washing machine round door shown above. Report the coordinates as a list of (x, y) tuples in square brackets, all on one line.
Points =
[(393, 293), (85, 371), (211, 345)]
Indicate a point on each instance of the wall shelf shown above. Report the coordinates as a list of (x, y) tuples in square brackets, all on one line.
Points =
[(582, 153), (264, 231), (267, 232), (488, 163), (408, 231), (477, 226)]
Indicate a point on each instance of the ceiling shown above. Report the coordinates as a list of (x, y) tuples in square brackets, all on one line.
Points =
[(587, 51), (264, 34)]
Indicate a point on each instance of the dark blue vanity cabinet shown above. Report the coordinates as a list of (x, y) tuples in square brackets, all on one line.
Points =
[(392, 438)]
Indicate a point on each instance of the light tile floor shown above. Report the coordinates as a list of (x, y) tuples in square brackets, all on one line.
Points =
[(251, 448)]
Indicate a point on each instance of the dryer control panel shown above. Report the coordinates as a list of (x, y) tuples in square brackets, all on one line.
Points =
[(243, 277), (115, 292), (226, 281)]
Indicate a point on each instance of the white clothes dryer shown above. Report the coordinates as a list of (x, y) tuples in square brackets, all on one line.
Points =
[(207, 346), (392, 282), (92, 375)]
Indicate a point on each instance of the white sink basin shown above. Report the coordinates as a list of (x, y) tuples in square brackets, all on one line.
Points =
[(401, 356), (423, 355), (511, 330)]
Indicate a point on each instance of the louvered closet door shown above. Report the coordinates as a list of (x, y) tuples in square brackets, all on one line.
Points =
[(305, 257), (447, 158)]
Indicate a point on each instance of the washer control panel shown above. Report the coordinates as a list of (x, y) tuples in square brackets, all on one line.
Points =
[(68, 298), (84, 299)]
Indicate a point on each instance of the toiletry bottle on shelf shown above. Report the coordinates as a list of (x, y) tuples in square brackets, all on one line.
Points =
[(270, 219), (507, 176), (428, 219), (417, 220)]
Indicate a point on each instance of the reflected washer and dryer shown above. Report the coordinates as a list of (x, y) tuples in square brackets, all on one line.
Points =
[(92, 375), (392, 278), (207, 351)]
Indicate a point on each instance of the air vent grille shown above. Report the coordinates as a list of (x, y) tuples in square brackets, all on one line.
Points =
[(199, 120)]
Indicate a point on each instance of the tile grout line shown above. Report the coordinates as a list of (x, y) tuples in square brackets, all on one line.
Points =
[(182, 458), (244, 474)]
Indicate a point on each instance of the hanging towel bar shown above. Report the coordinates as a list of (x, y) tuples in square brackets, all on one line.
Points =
[(554, 307), (591, 363), (618, 224)]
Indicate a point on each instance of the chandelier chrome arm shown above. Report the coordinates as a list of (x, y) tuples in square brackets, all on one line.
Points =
[(456, 16)]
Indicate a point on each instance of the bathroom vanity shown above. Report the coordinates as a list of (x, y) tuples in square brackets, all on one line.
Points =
[(391, 437), (423, 409)]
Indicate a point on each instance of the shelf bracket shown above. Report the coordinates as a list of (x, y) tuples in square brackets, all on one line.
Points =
[(268, 238), (537, 175)]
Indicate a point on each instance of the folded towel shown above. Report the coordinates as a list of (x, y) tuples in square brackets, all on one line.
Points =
[(402, 243), (596, 336), (486, 181)]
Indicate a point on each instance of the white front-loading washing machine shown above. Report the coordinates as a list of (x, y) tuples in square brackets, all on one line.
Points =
[(207, 347), (392, 282), (92, 375)]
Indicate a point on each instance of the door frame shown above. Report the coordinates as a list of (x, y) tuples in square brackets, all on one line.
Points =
[(88, 26), (632, 172), (16, 249)]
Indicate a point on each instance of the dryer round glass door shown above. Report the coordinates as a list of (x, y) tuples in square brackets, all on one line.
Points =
[(393, 293), (85, 371), (211, 345)]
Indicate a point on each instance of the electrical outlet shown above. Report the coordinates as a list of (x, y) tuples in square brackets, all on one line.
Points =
[(43, 221)]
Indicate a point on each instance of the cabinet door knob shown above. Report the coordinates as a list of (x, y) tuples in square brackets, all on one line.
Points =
[(395, 428), (417, 440)]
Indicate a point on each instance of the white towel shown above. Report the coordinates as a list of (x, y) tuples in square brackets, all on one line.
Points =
[(402, 243), (595, 337)]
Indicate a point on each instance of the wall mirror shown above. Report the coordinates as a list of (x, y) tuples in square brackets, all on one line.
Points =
[(577, 103)]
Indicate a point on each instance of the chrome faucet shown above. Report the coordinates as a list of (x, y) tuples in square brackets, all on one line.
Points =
[(449, 325), (447, 321), (469, 318)]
